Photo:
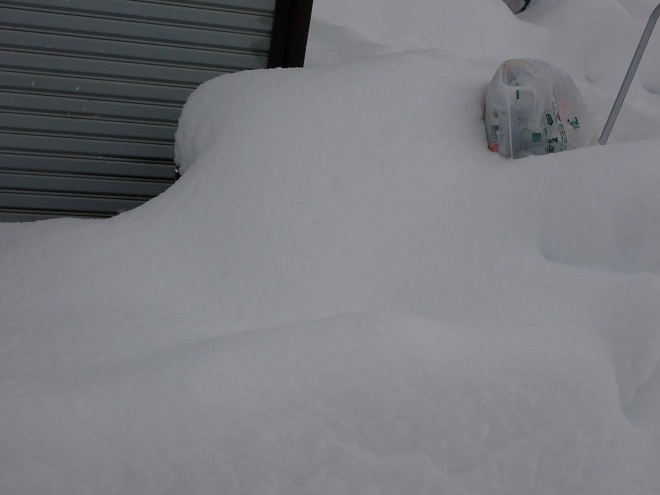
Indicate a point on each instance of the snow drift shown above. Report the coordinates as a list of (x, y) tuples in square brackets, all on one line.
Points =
[(345, 293)]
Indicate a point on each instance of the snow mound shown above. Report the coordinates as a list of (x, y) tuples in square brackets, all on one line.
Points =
[(370, 403), (346, 293)]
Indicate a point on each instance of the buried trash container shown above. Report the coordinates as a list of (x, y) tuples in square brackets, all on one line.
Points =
[(517, 6)]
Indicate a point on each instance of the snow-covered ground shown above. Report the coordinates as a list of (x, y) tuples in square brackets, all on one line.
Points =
[(347, 293)]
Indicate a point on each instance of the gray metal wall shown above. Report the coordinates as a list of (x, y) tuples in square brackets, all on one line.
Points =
[(91, 91)]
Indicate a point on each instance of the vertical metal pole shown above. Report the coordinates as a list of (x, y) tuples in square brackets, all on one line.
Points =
[(629, 75)]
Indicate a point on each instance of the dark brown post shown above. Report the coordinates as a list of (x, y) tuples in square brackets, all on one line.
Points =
[(290, 31)]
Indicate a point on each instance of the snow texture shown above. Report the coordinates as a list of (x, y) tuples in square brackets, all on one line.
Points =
[(347, 293)]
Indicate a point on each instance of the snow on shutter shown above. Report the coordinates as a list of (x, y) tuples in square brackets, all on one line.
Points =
[(91, 91)]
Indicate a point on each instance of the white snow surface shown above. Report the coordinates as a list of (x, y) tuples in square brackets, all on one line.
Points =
[(347, 293)]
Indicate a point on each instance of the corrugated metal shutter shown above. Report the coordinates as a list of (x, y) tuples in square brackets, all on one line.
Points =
[(91, 91)]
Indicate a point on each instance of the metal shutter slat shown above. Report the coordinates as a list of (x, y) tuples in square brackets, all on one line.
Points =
[(20, 143), (25, 215), (84, 128), (71, 184), (103, 69), (228, 17), (263, 7), (95, 166), (66, 203), (132, 30), (42, 104), (77, 86), (127, 51)]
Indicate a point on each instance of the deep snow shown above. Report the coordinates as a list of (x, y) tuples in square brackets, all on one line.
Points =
[(347, 293)]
